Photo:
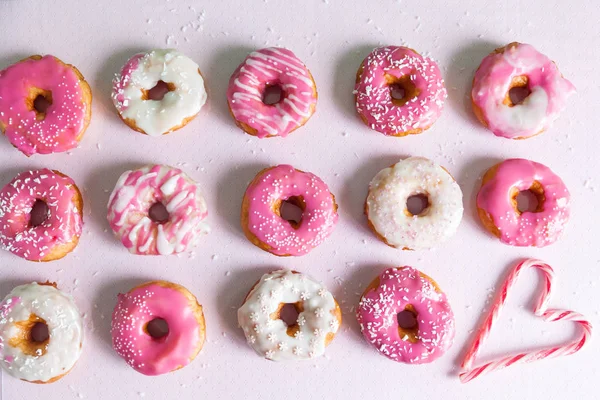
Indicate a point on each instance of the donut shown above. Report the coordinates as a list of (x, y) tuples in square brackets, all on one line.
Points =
[(45, 105), (41, 333), (521, 67), (398, 92), (158, 327), (404, 314), (387, 211), (497, 203), (305, 335), (271, 70), (41, 215), (157, 210), (261, 211), (158, 92)]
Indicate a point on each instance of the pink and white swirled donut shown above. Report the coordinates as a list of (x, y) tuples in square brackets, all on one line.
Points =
[(41, 215), (390, 70), (519, 65), (406, 317), (262, 69), (497, 203), (261, 216), (177, 224)]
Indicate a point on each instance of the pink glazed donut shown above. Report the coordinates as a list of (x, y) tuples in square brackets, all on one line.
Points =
[(399, 92), (519, 66), (406, 316), (157, 210), (497, 203), (261, 211), (41, 215), (261, 71), (158, 327), (45, 105)]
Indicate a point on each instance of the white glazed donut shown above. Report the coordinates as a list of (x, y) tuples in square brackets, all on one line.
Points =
[(39, 362), (388, 195), (131, 217), (143, 72), (319, 317)]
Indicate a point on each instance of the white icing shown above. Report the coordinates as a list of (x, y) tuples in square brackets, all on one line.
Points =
[(154, 117), (65, 327), (268, 337), (388, 194)]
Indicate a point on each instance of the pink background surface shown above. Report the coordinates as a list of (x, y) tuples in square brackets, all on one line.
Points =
[(332, 37)]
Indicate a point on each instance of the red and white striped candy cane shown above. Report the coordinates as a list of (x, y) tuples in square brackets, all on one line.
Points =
[(540, 309)]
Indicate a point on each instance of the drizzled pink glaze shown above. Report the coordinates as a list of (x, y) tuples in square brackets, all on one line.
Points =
[(63, 224), (272, 66), (530, 228), (549, 91), (374, 100), (281, 183), (378, 309), (65, 118), (134, 194), (144, 353)]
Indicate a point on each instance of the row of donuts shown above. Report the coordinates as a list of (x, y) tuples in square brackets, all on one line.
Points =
[(45, 104), (160, 210), (159, 326)]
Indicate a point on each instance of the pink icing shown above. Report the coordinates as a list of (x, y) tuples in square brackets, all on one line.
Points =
[(549, 91), (374, 100), (530, 228), (64, 221), (65, 118), (281, 183), (122, 80), (272, 66), (378, 309), (137, 190), (148, 355)]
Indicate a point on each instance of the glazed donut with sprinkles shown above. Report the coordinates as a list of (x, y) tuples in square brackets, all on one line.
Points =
[(158, 327), (45, 105), (41, 333), (404, 314), (41, 215), (262, 220), (280, 338), (398, 92)]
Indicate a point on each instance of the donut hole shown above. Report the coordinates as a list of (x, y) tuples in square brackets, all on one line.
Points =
[(530, 200), (157, 328), (402, 89), (292, 210), (32, 336), (158, 213), (288, 313), (518, 91), (39, 332), (159, 91), (39, 101), (408, 325), (272, 94), (39, 213), (417, 205)]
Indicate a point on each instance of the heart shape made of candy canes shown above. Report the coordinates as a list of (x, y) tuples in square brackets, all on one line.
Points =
[(540, 309)]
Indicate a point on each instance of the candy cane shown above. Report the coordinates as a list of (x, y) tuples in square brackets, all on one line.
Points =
[(540, 309)]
